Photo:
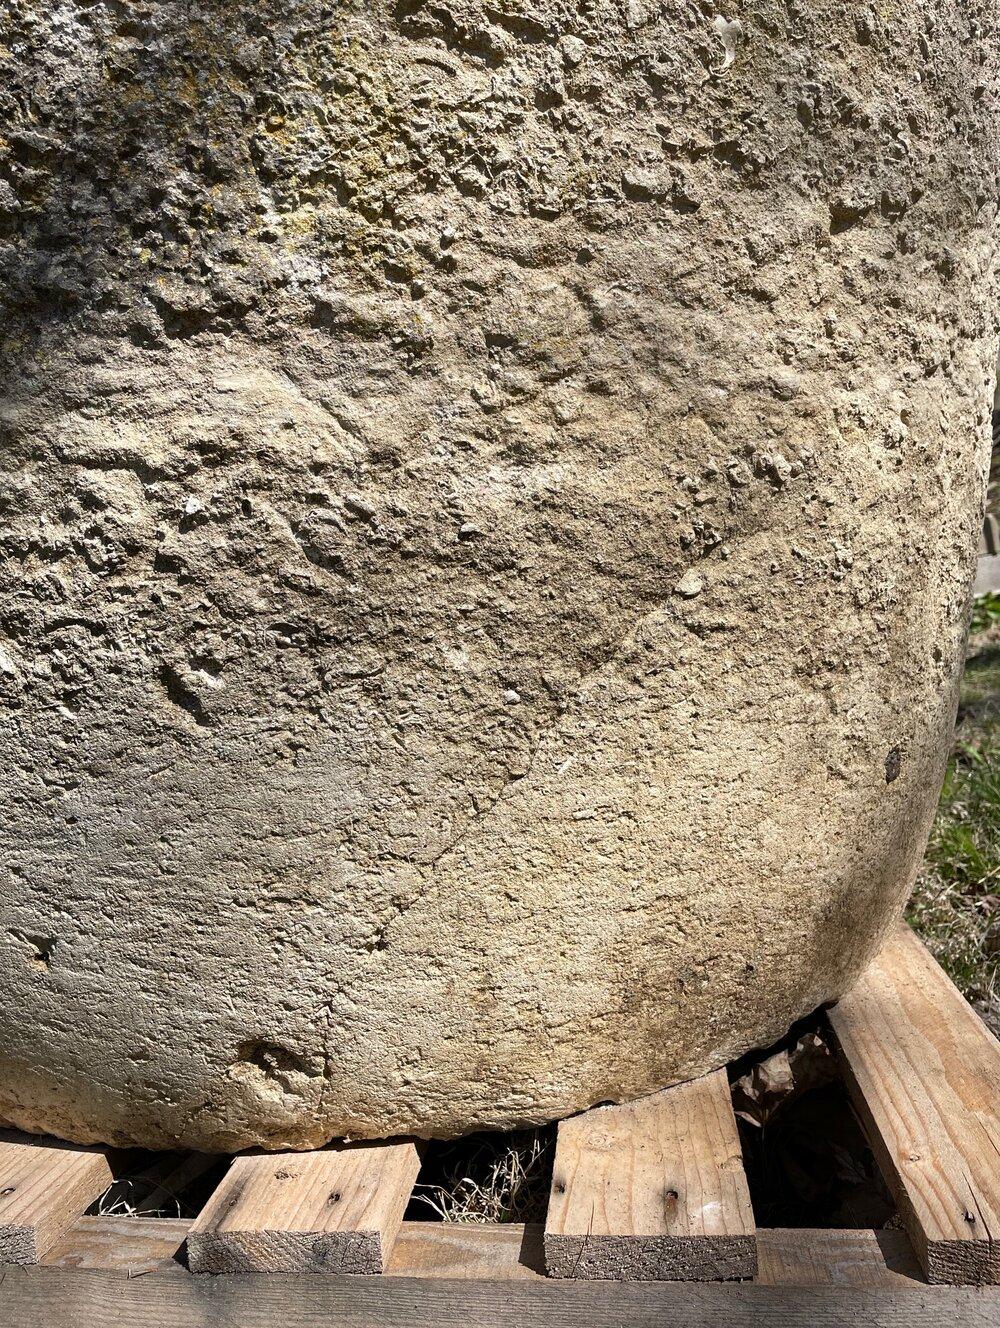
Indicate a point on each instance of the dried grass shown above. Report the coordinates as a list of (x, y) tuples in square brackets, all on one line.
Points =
[(490, 1178)]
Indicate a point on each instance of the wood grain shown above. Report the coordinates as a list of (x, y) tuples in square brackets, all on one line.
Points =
[(45, 1185), (924, 1073), (336, 1210), (507, 1252), (502, 1251), (810, 1257), (654, 1189), (133, 1245), (67, 1298)]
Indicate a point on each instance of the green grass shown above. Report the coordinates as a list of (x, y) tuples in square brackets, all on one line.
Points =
[(985, 613), (956, 902)]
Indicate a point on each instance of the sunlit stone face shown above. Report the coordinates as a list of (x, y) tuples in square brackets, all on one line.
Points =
[(489, 506)]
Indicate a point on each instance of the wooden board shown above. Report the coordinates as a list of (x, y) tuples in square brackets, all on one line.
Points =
[(924, 1073), (67, 1298), (822, 1257), (133, 1245), (45, 1185), (507, 1252), (504, 1252), (654, 1189), (336, 1210)]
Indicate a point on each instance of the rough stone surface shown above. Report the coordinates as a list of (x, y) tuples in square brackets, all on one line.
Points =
[(489, 497)]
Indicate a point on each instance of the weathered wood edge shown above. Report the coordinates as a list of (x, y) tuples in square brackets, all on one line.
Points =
[(944, 1262), (272, 1212), (652, 1258), (63, 1298), (670, 1200), (502, 1252), (90, 1170), (356, 1252)]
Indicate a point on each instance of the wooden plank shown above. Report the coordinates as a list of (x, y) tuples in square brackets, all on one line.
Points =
[(45, 1185), (67, 1298), (654, 1189), (503, 1252), (861, 1258), (507, 1252), (134, 1245), (924, 1073), (336, 1210)]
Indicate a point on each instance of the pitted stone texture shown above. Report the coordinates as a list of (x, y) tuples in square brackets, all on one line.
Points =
[(489, 510)]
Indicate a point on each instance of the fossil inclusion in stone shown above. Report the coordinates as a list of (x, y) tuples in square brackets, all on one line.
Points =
[(488, 505)]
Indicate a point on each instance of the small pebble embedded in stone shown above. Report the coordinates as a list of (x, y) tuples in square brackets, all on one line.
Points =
[(690, 584)]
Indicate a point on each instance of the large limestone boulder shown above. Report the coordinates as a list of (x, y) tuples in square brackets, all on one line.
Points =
[(489, 504)]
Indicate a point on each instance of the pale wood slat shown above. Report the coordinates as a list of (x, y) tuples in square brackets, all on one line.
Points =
[(824, 1257), (136, 1245), (924, 1073), (654, 1189), (506, 1252), (336, 1210), (45, 1185)]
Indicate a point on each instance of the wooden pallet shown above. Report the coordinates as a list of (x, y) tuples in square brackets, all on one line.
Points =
[(654, 1191), (924, 1073)]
